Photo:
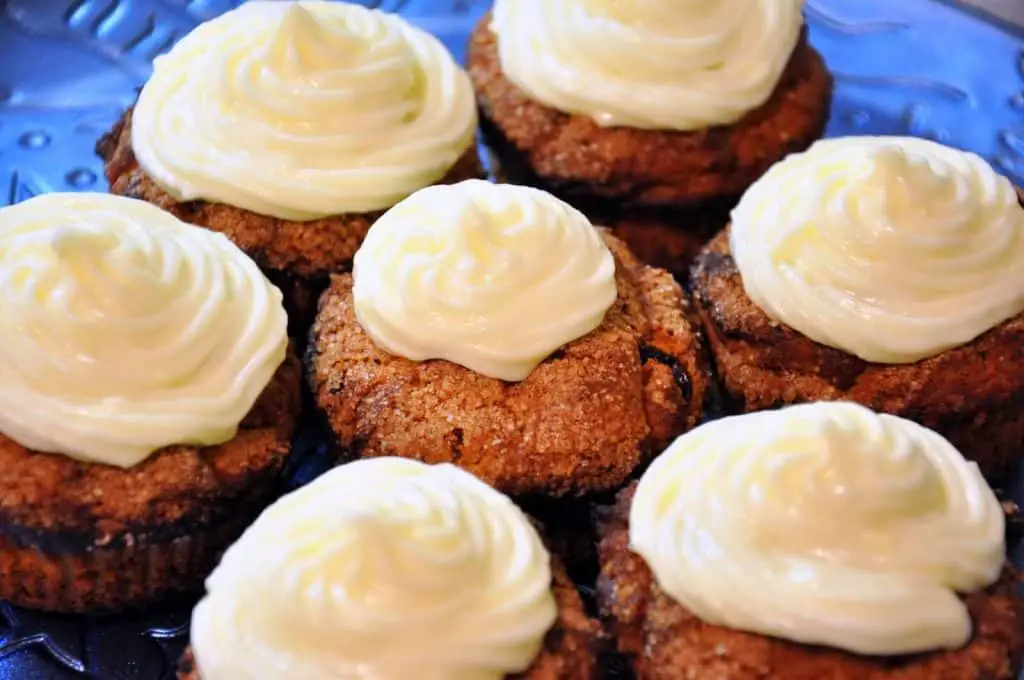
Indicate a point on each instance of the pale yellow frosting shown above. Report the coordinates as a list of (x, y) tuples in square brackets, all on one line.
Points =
[(382, 569), (494, 277), (658, 64), (302, 110), (823, 524), (124, 330), (893, 249)]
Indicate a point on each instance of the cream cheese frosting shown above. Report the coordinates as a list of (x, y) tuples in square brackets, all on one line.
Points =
[(382, 569), (653, 64), (889, 248), (823, 524), (494, 277), (302, 110), (124, 330)]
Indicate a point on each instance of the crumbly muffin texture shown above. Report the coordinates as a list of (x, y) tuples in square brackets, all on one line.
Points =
[(298, 257), (973, 395), (583, 421), (573, 155), (86, 537), (309, 249), (664, 641), (661, 236)]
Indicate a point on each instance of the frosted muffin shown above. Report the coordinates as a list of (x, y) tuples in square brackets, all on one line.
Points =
[(817, 541), (391, 569), (886, 271), (289, 127), (493, 327), (652, 117), (147, 401)]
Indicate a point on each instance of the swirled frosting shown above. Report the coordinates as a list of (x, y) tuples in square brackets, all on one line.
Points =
[(824, 524), (493, 277), (382, 569), (892, 249), (124, 330), (655, 64), (301, 110)]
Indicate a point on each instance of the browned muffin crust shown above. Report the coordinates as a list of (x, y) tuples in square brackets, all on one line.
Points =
[(574, 155), (570, 648), (583, 420), (81, 537), (973, 394), (299, 255), (660, 236), (665, 240), (664, 641)]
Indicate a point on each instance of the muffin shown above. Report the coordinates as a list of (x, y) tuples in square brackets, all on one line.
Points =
[(290, 127), (886, 271), (147, 401), (493, 327), (817, 541), (651, 117), (389, 568)]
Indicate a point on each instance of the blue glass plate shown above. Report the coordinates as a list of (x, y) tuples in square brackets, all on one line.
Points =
[(69, 67)]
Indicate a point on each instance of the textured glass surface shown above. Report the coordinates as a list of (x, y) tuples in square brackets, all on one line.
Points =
[(68, 68)]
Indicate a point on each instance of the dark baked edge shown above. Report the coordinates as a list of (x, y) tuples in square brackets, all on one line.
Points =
[(973, 394), (627, 593), (127, 575), (575, 157)]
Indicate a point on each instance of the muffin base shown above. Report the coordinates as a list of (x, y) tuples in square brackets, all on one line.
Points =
[(301, 255), (105, 580), (570, 648), (664, 641), (86, 538), (575, 156), (973, 395), (633, 384)]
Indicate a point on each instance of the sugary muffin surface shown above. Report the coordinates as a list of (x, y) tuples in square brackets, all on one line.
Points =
[(582, 421), (575, 156)]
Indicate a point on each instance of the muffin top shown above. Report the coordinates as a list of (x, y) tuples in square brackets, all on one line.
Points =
[(386, 569), (125, 330), (302, 110), (737, 521), (493, 277), (892, 249), (653, 64), (493, 327)]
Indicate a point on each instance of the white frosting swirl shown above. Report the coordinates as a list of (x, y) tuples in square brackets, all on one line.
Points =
[(302, 110), (824, 524), (382, 569), (657, 64), (893, 249), (493, 277), (124, 330)]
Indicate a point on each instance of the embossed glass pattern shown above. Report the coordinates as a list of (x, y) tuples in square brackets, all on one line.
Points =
[(919, 67)]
